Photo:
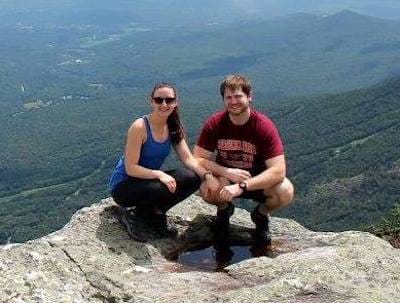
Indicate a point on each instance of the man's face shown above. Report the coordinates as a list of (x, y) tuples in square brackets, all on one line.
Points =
[(236, 101)]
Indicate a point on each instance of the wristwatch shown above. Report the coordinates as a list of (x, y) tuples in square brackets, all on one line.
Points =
[(243, 186)]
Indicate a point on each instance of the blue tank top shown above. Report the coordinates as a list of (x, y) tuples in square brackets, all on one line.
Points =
[(152, 156)]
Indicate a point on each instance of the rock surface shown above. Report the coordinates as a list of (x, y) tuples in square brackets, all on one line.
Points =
[(92, 259)]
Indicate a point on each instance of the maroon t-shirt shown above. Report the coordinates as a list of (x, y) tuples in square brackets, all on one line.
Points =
[(241, 146)]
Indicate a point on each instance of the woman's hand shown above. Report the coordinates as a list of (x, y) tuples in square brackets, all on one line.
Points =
[(237, 175), (169, 181)]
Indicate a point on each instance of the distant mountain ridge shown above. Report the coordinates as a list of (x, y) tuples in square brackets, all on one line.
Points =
[(297, 55), (301, 54), (217, 10)]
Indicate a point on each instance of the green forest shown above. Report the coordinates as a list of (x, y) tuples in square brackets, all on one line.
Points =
[(329, 84)]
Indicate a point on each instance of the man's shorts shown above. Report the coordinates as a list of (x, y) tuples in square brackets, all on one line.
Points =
[(256, 195)]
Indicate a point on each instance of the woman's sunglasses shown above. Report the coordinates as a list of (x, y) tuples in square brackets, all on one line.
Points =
[(160, 100)]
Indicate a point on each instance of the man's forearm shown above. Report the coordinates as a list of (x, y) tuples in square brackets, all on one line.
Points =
[(268, 178)]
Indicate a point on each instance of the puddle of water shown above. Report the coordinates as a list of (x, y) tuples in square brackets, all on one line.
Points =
[(211, 259)]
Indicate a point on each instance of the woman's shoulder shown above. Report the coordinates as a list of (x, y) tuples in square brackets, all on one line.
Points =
[(138, 126)]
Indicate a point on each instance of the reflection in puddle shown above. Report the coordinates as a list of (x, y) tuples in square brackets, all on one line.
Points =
[(212, 259)]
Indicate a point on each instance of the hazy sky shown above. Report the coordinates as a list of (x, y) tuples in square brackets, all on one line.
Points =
[(266, 8)]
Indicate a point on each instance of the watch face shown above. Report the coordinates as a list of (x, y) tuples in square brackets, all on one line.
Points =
[(242, 185)]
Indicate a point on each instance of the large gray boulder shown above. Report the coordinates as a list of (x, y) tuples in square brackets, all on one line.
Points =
[(92, 259)]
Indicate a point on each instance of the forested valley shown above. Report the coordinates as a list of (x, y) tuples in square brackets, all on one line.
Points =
[(69, 93)]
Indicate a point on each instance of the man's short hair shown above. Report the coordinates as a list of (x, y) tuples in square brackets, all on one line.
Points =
[(234, 82)]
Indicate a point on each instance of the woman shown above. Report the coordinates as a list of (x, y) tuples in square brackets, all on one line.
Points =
[(137, 179)]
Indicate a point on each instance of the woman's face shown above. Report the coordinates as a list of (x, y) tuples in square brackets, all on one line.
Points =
[(164, 101)]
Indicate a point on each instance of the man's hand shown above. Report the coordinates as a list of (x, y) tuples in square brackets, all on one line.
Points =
[(210, 190), (229, 192), (237, 175)]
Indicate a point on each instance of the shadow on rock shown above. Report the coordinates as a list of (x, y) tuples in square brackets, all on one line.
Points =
[(136, 238), (113, 233)]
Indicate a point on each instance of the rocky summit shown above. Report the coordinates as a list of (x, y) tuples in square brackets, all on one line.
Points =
[(93, 259)]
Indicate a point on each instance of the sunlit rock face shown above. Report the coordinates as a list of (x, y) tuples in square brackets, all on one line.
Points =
[(92, 259)]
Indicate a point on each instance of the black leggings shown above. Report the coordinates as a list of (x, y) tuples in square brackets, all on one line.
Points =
[(150, 194)]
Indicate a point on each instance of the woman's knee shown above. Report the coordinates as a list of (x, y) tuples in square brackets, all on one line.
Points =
[(137, 192), (187, 177), (123, 202)]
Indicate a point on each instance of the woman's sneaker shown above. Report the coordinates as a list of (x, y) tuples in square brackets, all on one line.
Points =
[(141, 226), (132, 223)]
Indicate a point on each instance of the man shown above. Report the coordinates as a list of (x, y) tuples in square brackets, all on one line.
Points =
[(249, 162)]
